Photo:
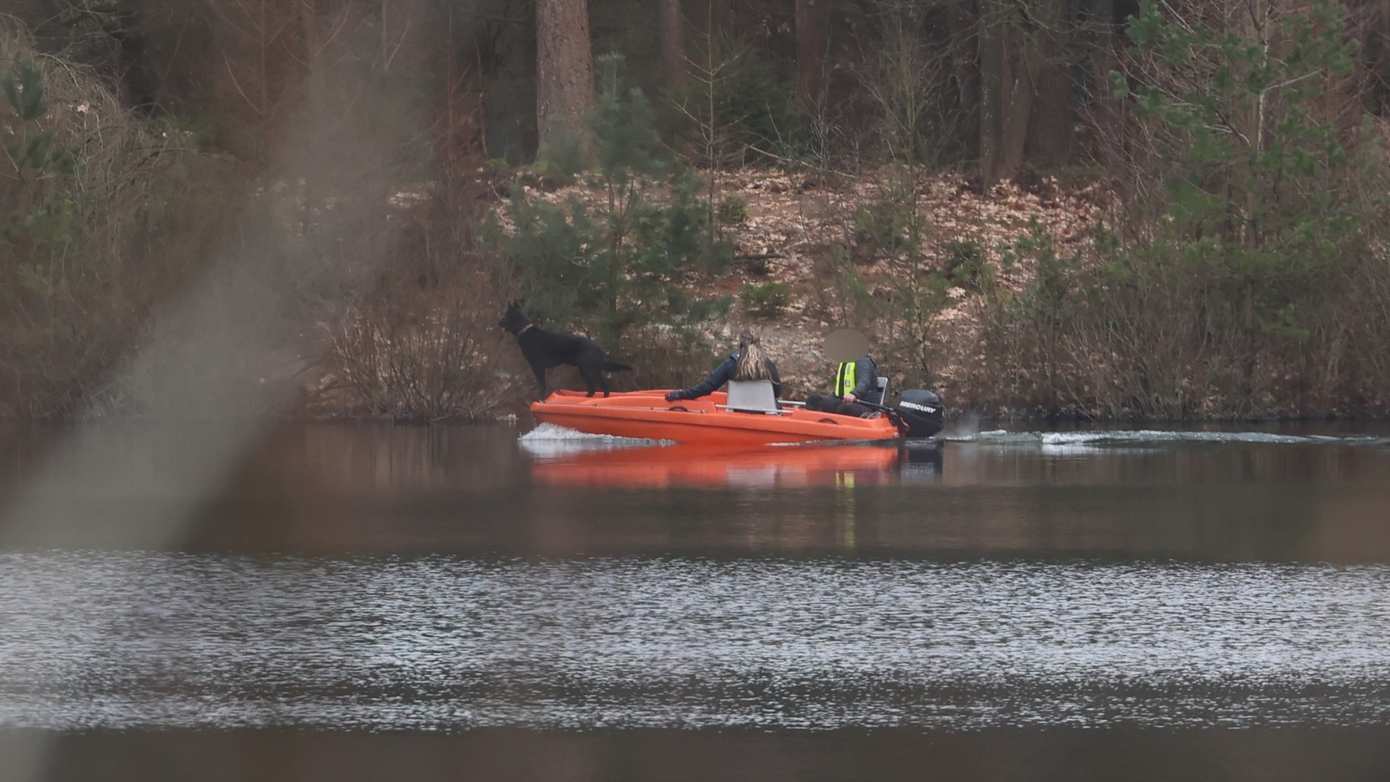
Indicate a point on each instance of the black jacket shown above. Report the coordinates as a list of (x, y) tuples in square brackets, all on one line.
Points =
[(721, 375)]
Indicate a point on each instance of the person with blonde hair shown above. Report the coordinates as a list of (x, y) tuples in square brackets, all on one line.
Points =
[(750, 362)]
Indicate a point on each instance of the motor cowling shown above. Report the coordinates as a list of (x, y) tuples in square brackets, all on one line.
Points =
[(922, 411)]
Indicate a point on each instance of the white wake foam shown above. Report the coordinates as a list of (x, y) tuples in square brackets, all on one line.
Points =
[(550, 440), (1154, 437)]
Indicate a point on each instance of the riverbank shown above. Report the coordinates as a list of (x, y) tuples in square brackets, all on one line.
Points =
[(963, 309), (806, 260), (813, 253), (803, 266)]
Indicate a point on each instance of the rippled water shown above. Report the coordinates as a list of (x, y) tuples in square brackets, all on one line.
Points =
[(165, 640), (360, 580)]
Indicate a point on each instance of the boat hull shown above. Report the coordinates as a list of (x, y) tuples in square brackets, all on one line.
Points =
[(647, 415)]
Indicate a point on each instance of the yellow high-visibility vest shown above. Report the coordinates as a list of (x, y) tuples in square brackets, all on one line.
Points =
[(844, 379)]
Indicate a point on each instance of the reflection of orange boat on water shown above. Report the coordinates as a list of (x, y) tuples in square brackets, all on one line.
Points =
[(696, 465)]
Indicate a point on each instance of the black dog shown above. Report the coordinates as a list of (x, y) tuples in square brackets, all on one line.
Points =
[(544, 350)]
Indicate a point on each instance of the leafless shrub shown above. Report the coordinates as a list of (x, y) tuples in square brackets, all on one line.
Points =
[(429, 359)]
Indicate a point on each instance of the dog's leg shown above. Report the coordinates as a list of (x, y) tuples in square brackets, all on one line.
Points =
[(588, 371), (540, 378), (603, 382)]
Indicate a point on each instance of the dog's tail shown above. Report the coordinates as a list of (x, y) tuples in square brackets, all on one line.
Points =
[(613, 366)]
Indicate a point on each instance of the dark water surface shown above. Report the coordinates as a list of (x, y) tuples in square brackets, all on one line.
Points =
[(1003, 605)]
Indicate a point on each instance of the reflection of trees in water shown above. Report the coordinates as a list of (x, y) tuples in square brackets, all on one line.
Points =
[(469, 489), (390, 459)]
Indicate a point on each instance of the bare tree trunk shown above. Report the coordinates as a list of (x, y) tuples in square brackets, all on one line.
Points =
[(263, 82), (1104, 113), (309, 28), (994, 76), (964, 47), (1017, 107), (564, 70), (812, 38), (1373, 32), (1050, 124), (673, 43), (463, 140), (314, 86), (1050, 134), (1011, 59)]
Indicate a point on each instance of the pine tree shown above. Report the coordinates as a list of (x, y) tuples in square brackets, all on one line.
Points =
[(612, 268), (564, 73)]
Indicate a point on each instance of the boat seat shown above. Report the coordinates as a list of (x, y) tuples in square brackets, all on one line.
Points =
[(752, 396), (882, 391)]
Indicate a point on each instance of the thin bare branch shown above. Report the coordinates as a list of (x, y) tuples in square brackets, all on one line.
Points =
[(260, 110)]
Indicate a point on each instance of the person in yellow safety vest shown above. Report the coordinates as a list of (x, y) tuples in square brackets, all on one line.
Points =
[(854, 380)]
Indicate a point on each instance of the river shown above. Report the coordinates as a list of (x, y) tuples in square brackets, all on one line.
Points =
[(420, 601)]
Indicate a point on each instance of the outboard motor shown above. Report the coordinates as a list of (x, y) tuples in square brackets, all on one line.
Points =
[(922, 411)]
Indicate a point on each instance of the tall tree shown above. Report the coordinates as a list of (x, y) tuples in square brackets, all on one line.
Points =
[(1372, 30), (1015, 44), (673, 43), (963, 50), (995, 89), (812, 40), (258, 70), (1050, 135), (564, 72)]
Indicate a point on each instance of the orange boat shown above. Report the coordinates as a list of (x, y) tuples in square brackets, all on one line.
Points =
[(722, 466), (707, 420)]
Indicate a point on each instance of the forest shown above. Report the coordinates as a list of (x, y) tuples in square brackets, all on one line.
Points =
[(1108, 209)]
